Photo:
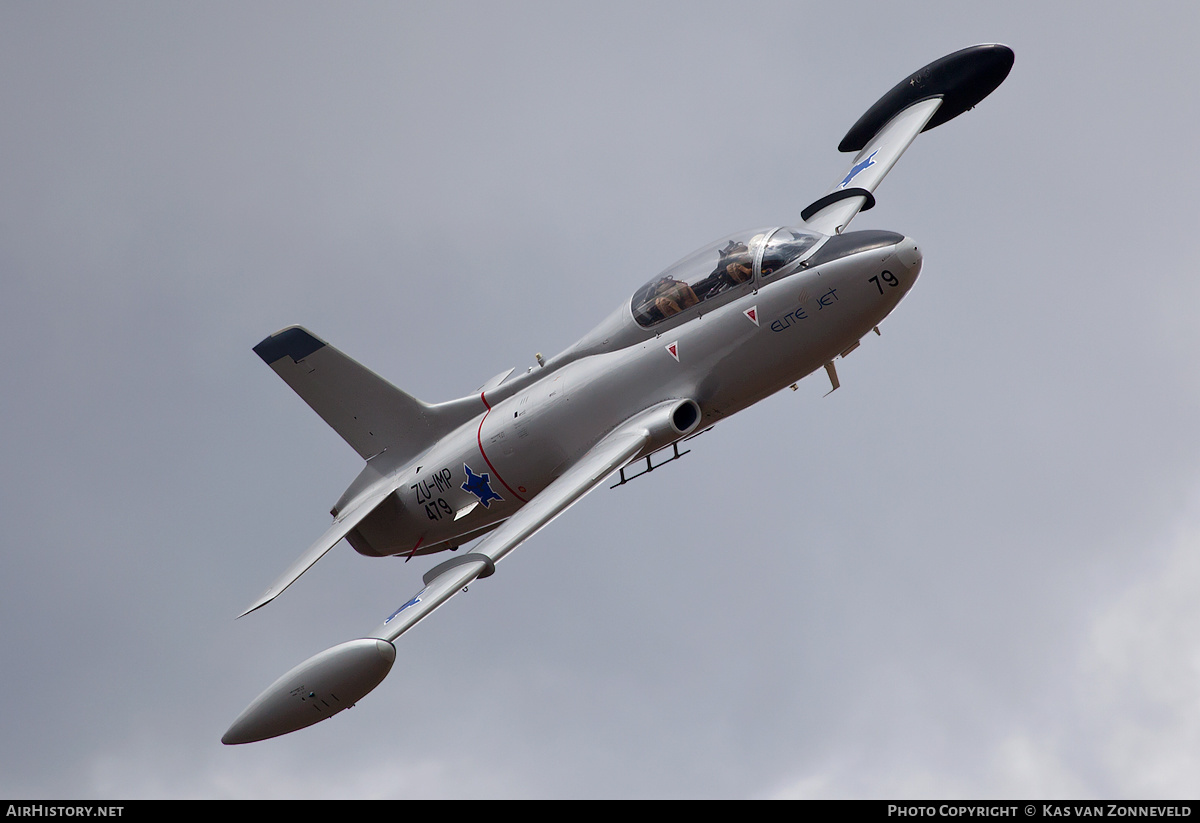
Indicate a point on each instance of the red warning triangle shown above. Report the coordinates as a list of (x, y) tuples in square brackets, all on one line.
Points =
[(752, 313), (673, 348)]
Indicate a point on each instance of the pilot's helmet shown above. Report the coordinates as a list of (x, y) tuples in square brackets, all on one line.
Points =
[(734, 247)]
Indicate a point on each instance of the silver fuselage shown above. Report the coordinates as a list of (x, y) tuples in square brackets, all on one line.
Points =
[(725, 355)]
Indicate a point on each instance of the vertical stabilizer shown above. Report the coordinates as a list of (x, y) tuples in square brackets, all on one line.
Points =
[(367, 411)]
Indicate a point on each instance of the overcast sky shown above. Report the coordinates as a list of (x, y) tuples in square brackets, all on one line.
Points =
[(970, 572)]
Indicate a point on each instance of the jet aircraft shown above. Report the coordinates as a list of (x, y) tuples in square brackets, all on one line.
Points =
[(725, 327)]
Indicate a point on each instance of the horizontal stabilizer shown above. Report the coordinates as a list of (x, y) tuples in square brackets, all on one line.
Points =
[(342, 526)]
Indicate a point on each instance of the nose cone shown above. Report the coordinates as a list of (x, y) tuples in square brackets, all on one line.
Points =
[(896, 248), (910, 257)]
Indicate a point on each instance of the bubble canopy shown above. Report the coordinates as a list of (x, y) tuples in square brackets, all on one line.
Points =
[(731, 264)]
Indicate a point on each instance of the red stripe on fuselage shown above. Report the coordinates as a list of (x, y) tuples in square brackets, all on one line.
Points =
[(479, 439)]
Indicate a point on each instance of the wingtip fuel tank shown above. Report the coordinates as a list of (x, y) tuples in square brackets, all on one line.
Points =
[(318, 688)]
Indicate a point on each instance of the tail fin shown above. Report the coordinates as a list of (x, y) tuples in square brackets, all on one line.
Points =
[(368, 412)]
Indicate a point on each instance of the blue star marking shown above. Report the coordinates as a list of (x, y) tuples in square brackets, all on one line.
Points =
[(859, 167), (480, 485), (416, 599)]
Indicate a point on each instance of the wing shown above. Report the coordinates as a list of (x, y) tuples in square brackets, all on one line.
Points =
[(335, 679), (646, 430), (444, 581), (925, 99)]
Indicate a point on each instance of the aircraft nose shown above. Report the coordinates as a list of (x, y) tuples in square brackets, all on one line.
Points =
[(910, 257)]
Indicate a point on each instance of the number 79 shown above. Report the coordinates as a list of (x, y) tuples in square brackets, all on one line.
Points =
[(888, 278)]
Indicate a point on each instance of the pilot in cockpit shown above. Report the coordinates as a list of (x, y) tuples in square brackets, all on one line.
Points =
[(739, 266), (672, 296), (735, 267)]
